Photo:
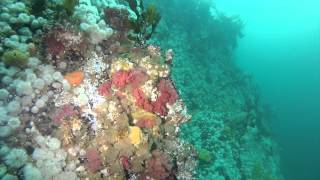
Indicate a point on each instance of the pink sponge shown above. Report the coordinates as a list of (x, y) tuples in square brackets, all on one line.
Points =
[(63, 112), (133, 78), (137, 77), (168, 94), (105, 89), (159, 167), (141, 100), (93, 160), (119, 79)]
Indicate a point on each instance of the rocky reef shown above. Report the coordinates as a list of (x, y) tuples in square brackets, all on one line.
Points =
[(80, 100), (229, 127), (99, 89)]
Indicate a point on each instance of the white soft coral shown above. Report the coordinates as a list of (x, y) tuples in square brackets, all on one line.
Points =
[(91, 21)]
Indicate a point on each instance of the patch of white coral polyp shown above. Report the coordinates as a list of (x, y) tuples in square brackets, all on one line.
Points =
[(26, 90), (91, 16), (50, 159), (13, 12)]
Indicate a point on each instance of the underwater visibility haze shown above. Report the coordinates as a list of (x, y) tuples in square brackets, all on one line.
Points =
[(159, 89), (281, 49)]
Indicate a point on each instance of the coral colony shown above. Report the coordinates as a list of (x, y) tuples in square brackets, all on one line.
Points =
[(85, 97)]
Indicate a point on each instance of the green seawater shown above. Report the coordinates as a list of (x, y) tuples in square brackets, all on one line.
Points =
[(282, 52), (269, 76)]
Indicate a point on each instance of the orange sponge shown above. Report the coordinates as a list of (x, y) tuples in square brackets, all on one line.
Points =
[(74, 78)]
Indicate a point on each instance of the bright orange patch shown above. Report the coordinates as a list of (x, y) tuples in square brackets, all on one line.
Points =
[(74, 78)]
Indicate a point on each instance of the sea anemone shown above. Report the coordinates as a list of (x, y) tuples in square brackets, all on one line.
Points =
[(15, 58), (16, 158)]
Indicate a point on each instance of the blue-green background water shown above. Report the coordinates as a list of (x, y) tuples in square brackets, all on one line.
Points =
[(281, 49), (229, 125)]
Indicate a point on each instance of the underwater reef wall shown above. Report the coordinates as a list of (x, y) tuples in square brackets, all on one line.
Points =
[(84, 97), (99, 89), (229, 127)]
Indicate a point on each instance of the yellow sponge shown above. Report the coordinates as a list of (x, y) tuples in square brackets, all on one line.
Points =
[(135, 135)]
